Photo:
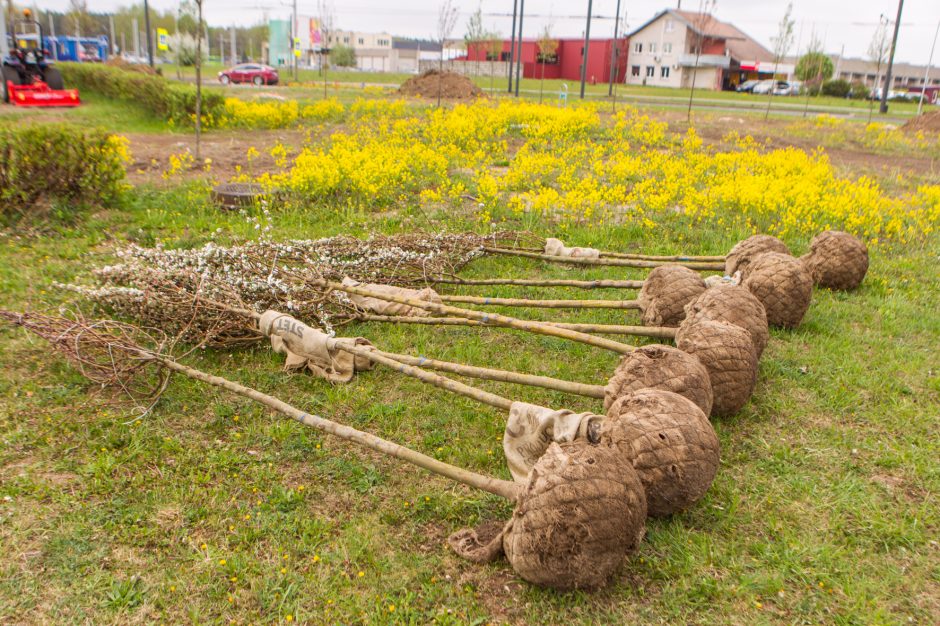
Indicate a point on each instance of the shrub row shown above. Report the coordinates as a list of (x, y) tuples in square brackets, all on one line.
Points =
[(49, 162), (174, 102)]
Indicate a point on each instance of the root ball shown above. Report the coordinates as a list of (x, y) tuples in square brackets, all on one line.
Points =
[(660, 367), (582, 511), (733, 304), (837, 260), (783, 285), (666, 291), (746, 251), (672, 445), (727, 352)]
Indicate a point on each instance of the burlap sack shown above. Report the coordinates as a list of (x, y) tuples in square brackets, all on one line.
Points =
[(556, 247), (312, 349), (666, 291), (531, 429), (741, 255), (385, 307)]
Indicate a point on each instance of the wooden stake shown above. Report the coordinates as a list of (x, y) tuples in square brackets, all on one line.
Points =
[(544, 304), (606, 262), (658, 332), (492, 319), (548, 282), (484, 373), (506, 489)]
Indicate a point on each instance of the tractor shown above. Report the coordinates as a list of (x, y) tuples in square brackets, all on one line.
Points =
[(29, 80)]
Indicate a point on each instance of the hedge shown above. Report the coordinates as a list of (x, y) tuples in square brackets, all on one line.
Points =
[(58, 162), (174, 102)]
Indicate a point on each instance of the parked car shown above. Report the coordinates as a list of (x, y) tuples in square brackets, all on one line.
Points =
[(747, 86), (254, 73), (779, 87)]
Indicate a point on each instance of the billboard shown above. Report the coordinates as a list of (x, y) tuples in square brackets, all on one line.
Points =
[(316, 37)]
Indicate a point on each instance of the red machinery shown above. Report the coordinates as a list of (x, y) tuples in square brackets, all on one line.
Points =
[(28, 79)]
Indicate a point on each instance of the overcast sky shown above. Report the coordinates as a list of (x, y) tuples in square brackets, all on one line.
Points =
[(838, 23)]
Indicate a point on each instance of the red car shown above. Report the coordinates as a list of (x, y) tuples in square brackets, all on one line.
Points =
[(249, 73)]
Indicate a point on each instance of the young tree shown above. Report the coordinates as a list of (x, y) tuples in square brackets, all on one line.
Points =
[(813, 69), (446, 21), (475, 36), (199, 31), (547, 46), (494, 47), (782, 43), (326, 19), (878, 53), (705, 9)]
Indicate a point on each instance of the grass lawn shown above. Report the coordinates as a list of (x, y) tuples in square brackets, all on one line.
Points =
[(212, 510)]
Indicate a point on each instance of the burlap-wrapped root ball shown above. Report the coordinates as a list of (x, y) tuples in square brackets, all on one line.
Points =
[(837, 260), (727, 352), (582, 511), (672, 444), (783, 285), (666, 291), (733, 304), (660, 367), (746, 251)]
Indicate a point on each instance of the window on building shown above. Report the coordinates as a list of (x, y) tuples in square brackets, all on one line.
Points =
[(345, 39), (634, 70), (669, 26), (664, 72), (638, 48), (652, 47), (547, 59), (667, 48), (361, 41), (650, 71)]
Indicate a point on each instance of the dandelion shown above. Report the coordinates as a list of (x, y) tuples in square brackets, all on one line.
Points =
[(221, 561)]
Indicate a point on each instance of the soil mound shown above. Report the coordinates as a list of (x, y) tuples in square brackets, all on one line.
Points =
[(449, 84), (929, 122)]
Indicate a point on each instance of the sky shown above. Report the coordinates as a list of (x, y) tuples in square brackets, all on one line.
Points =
[(837, 23)]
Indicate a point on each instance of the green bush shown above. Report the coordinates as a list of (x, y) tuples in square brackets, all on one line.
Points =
[(173, 102), (838, 88), (58, 162), (859, 90)]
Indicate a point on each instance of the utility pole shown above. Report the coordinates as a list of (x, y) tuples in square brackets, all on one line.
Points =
[(149, 36), (614, 52), (111, 27), (894, 45), (234, 47), (512, 41), (136, 37), (293, 42), (55, 46), (923, 89), (587, 41), (222, 47), (519, 59), (4, 49)]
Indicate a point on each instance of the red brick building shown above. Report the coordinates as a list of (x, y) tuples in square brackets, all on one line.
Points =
[(566, 62)]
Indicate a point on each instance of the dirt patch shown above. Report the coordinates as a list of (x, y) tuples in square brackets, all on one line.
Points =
[(448, 85), (227, 152), (929, 122)]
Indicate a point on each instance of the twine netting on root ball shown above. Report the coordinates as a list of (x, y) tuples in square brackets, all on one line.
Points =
[(744, 252), (783, 285), (671, 443), (837, 260), (662, 367), (735, 305), (581, 511), (665, 293), (727, 352)]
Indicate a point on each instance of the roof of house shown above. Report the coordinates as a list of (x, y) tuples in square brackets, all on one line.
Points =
[(425, 45), (740, 45)]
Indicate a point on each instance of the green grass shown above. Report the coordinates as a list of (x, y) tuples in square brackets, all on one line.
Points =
[(823, 511), (95, 110)]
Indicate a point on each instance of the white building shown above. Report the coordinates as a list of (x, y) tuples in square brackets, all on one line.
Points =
[(663, 52)]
